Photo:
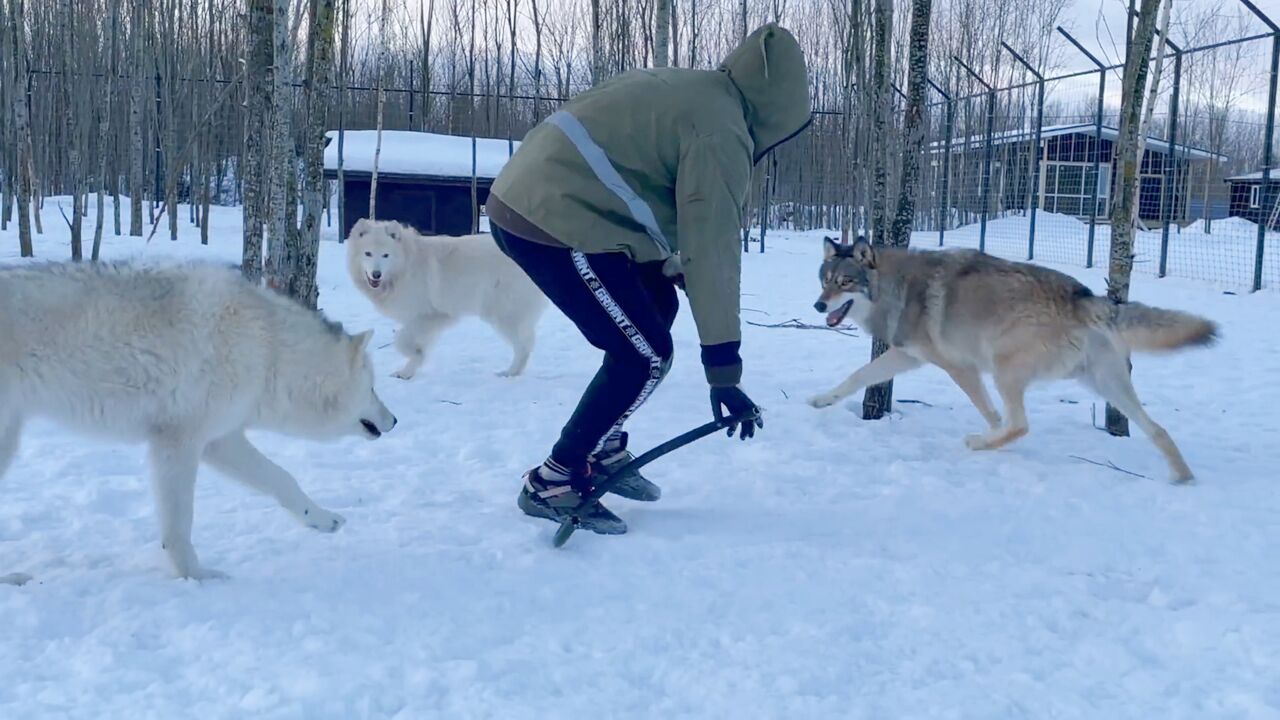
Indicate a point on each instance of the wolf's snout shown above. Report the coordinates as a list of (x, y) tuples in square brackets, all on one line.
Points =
[(376, 274), (820, 306), (393, 423)]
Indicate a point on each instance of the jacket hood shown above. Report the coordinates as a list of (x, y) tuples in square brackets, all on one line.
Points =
[(768, 68)]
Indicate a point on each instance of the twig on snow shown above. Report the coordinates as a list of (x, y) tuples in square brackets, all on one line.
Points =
[(796, 324), (1109, 464)]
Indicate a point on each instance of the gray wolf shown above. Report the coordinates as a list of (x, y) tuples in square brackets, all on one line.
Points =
[(652, 167), (185, 358), (970, 313), (427, 283)]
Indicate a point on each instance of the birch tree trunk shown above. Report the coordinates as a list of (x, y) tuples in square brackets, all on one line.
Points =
[(343, 61), (597, 48), (382, 101), (876, 402), (1128, 149), (104, 132), (21, 125), (662, 34), (72, 137), (137, 25), (302, 276), (280, 154), (253, 165), (1153, 92), (878, 399)]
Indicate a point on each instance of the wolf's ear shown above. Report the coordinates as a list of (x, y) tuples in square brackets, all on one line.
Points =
[(829, 248), (863, 253), (359, 343), (361, 225)]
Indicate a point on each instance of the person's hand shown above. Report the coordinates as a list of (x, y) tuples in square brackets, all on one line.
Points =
[(731, 402)]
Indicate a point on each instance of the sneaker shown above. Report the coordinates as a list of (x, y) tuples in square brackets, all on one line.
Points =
[(631, 484), (558, 502)]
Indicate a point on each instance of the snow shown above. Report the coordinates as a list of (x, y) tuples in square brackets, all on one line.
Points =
[(829, 568), (1256, 175), (1223, 257), (417, 153), (1048, 131)]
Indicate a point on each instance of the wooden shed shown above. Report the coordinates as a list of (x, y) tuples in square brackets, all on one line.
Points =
[(1253, 201), (424, 179)]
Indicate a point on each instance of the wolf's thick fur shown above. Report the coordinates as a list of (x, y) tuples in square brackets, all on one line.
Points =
[(184, 358), (427, 283), (970, 313)]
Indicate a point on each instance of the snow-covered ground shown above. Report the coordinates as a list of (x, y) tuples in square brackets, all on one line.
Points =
[(1222, 255), (830, 568)]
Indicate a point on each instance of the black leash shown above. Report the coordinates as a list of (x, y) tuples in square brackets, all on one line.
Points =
[(569, 525)]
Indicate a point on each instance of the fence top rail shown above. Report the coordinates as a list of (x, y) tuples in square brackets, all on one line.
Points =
[(337, 86)]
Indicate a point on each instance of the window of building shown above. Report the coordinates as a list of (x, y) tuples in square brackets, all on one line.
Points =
[(1069, 186)]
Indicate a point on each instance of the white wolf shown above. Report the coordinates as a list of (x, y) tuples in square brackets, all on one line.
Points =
[(184, 358), (427, 283)]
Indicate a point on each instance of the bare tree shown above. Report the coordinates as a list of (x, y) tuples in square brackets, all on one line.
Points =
[(878, 399), (301, 279), (281, 171), (21, 125), (382, 104), (138, 74), (255, 176), (662, 34), (1128, 154)]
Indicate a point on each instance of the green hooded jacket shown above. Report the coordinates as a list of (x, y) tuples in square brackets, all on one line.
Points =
[(657, 163)]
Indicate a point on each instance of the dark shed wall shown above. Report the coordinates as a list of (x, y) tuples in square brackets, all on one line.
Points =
[(430, 208)]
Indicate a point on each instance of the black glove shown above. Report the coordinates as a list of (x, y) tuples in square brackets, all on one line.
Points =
[(739, 406)]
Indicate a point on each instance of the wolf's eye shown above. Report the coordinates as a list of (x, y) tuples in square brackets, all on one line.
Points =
[(368, 254), (386, 255), (846, 283)]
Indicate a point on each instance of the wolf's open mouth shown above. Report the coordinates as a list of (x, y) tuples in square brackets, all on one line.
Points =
[(375, 284), (835, 317), (372, 429)]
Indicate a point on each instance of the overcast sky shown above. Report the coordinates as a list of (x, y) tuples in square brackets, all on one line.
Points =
[(1084, 16)]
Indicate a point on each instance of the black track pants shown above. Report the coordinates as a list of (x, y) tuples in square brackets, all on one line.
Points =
[(624, 308)]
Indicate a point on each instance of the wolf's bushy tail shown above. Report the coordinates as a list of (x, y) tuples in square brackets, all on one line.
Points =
[(1142, 327)]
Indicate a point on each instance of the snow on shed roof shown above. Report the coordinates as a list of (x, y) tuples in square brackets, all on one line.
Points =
[(1256, 176), (1048, 131), (416, 153)]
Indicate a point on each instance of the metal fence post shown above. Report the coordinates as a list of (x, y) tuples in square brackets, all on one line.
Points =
[(411, 108), (1097, 143), (949, 128), (1268, 154), (986, 155), (1034, 179), (1267, 195), (1171, 159)]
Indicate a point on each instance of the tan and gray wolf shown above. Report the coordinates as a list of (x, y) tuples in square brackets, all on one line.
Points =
[(429, 282), (184, 358), (970, 313)]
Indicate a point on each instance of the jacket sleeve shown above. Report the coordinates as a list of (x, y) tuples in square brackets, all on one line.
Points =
[(711, 184)]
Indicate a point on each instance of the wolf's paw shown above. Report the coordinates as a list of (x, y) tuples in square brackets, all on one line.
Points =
[(322, 520), (977, 442), (508, 373), (403, 374), (823, 400), (201, 574)]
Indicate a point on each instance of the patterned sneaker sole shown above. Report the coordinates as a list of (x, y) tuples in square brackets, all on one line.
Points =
[(634, 487), (533, 509)]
